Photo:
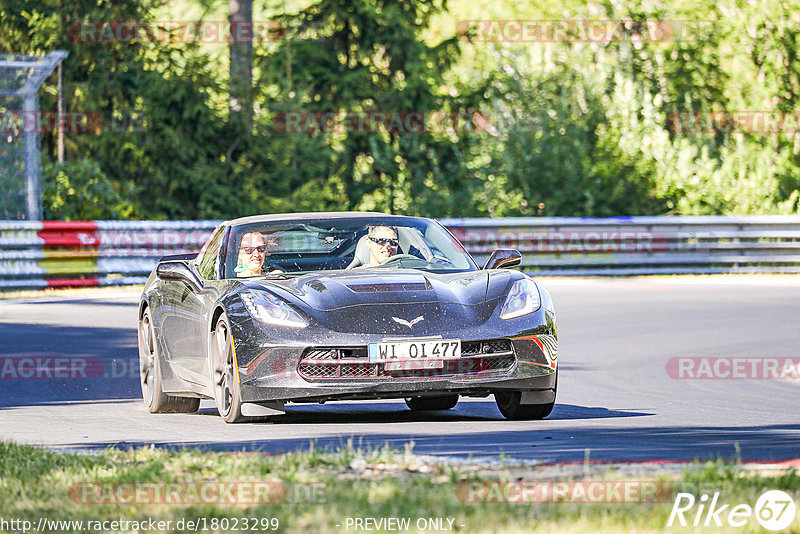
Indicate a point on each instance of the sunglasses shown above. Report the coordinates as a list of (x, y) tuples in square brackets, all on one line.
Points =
[(383, 241), (249, 250)]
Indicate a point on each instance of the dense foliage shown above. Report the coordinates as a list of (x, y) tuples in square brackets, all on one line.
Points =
[(574, 128)]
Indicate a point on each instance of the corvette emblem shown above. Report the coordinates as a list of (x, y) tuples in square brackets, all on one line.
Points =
[(410, 323)]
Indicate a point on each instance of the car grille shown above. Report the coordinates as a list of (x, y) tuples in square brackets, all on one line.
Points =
[(321, 363)]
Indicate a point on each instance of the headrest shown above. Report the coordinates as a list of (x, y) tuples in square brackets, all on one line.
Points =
[(361, 256)]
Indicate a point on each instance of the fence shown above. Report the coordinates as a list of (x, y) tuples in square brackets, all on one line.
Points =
[(575, 246), (96, 253), (20, 80), (92, 253)]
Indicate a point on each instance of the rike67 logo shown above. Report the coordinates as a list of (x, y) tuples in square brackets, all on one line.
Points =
[(774, 510)]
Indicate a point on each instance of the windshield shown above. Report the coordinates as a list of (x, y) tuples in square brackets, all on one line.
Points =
[(291, 247)]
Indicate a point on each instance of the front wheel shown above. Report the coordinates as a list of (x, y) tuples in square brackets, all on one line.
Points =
[(508, 402), (150, 374), (224, 377), (424, 404)]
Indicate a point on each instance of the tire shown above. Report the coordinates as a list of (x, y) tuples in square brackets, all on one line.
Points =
[(150, 375), (509, 405), (224, 378), (425, 404)]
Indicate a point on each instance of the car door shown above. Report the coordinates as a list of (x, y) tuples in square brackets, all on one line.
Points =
[(190, 337)]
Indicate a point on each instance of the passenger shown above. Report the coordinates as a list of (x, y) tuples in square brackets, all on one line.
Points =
[(383, 244), (252, 252)]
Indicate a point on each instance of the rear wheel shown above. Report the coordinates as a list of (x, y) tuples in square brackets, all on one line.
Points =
[(224, 378), (424, 404), (509, 405), (150, 374)]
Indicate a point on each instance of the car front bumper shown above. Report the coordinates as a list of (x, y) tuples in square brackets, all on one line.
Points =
[(274, 376)]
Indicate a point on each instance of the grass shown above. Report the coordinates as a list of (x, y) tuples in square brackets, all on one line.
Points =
[(316, 490)]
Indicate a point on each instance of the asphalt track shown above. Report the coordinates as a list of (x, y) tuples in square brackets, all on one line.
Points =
[(616, 399)]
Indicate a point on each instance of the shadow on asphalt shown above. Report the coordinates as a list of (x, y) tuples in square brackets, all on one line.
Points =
[(394, 412), (539, 443), (45, 364)]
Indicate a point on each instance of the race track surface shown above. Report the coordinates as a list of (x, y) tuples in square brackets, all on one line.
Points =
[(616, 398)]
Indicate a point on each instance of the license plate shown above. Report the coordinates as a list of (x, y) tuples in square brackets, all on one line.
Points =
[(404, 351)]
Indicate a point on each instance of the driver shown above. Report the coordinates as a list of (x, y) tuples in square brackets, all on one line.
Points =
[(252, 253), (383, 244)]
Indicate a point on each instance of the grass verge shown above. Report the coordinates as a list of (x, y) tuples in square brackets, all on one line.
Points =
[(327, 491)]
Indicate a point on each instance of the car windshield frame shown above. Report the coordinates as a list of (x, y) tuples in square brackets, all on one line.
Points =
[(282, 262)]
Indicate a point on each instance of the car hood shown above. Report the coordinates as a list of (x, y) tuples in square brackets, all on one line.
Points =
[(341, 289), (370, 301)]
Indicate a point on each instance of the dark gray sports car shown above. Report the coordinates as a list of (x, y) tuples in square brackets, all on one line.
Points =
[(313, 307)]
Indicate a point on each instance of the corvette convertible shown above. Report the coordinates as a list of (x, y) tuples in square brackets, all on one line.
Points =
[(317, 307)]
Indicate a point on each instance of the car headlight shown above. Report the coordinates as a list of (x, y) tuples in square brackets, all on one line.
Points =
[(521, 300), (271, 310)]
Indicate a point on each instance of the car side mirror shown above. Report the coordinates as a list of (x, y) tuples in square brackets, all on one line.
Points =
[(179, 271), (502, 258)]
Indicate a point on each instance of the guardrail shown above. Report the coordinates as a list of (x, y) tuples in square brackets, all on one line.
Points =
[(577, 246), (96, 253), (39, 254)]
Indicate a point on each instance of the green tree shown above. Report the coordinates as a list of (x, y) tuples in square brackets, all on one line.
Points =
[(80, 191), (369, 55)]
